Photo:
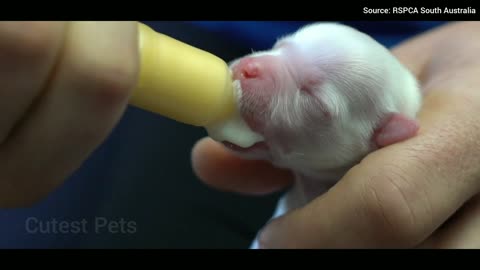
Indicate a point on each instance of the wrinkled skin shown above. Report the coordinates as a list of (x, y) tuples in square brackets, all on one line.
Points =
[(63, 87), (419, 193), (323, 98)]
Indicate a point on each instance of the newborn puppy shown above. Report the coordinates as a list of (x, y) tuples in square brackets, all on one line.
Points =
[(322, 99)]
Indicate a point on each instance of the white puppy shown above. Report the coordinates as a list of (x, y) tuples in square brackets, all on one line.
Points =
[(320, 100)]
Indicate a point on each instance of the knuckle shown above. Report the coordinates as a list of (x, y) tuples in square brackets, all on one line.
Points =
[(391, 205), (108, 81), (29, 39)]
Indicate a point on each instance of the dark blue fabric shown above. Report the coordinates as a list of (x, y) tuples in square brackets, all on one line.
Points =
[(261, 34), (83, 194)]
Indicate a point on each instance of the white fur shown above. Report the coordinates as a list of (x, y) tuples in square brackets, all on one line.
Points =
[(362, 82)]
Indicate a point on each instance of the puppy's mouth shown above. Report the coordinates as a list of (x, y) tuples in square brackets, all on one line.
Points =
[(255, 147)]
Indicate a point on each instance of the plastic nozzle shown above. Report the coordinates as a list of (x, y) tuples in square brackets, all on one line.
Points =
[(182, 82)]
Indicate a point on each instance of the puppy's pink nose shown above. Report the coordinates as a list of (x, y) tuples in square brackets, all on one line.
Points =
[(247, 68)]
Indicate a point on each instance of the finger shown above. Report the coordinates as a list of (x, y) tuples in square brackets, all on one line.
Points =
[(27, 55), (219, 168), (461, 231), (86, 98), (397, 196)]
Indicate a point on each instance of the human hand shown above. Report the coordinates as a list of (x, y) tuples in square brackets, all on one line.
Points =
[(418, 193), (64, 86)]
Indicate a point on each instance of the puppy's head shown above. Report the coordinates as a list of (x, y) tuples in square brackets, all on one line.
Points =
[(319, 95)]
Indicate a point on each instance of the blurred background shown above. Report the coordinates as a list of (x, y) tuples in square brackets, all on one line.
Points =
[(140, 181)]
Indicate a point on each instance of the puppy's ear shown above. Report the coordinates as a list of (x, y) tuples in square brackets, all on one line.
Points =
[(395, 128)]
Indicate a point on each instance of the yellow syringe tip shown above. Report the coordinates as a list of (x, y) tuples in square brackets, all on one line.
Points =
[(181, 82)]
